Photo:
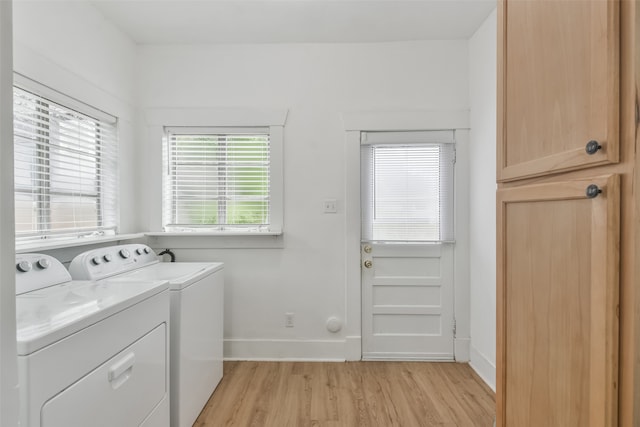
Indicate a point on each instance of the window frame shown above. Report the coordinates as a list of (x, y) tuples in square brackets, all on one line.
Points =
[(47, 96), (230, 117), (169, 182)]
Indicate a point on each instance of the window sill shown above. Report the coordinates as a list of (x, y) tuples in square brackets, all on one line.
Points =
[(216, 240), (211, 233), (59, 244)]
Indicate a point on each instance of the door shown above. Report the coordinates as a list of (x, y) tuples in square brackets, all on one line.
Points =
[(407, 245), (557, 321), (407, 295), (558, 88)]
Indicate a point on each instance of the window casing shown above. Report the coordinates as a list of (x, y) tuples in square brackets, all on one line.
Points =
[(218, 180), (65, 168), (408, 182)]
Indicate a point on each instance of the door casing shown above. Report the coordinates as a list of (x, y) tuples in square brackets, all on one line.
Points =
[(354, 124)]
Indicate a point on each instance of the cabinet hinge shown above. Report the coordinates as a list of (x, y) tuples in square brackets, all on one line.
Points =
[(455, 155), (454, 327)]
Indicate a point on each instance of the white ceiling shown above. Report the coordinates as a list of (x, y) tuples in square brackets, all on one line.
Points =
[(294, 21)]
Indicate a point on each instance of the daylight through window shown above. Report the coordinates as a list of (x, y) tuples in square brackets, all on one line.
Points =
[(407, 186), (65, 170), (217, 180)]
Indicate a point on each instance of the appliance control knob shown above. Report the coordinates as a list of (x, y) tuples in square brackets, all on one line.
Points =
[(139, 251), (44, 263), (24, 266), (107, 258), (124, 253), (146, 250), (96, 260)]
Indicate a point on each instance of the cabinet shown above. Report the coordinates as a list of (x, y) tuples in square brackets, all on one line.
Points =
[(568, 273), (560, 86), (559, 294)]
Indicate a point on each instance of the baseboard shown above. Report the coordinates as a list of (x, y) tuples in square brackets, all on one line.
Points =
[(284, 350), (407, 357), (483, 367), (353, 348), (461, 349)]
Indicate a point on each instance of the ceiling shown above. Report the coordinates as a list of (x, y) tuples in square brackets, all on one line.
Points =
[(294, 21)]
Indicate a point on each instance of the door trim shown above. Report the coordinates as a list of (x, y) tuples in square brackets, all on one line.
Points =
[(356, 122)]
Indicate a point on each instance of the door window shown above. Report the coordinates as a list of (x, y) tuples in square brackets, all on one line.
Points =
[(407, 192)]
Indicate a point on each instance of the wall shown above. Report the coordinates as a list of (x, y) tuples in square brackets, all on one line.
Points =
[(482, 94), (70, 47), (8, 361), (304, 270)]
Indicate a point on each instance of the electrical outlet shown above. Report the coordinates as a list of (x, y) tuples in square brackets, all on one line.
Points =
[(330, 206), (288, 320)]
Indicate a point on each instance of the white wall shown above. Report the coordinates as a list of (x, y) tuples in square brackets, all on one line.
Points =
[(70, 47), (8, 361), (482, 90), (304, 270)]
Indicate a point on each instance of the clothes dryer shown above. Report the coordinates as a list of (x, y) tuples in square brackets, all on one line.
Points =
[(196, 293), (90, 353)]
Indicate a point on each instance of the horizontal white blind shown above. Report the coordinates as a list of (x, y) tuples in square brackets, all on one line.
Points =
[(217, 181), (407, 191), (65, 171)]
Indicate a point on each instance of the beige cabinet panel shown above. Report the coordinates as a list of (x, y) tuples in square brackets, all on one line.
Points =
[(558, 259), (558, 86)]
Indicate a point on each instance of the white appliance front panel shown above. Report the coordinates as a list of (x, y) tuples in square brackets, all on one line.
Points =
[(196, 360), (121, 392), (45, 373)]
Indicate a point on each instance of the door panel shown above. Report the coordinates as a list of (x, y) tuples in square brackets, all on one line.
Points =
[(557, 302), (407, 295), (554, 101)]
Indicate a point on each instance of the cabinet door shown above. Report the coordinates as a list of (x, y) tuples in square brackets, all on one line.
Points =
[(557, 300), (558, 85)]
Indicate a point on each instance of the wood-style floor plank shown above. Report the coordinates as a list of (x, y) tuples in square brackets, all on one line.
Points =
[(351, 394)]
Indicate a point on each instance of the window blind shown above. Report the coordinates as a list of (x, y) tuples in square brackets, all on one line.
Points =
[(65, 170), (217, 180), (407, 186)]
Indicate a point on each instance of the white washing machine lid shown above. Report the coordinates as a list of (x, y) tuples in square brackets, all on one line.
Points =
[(48, 315), (179, 274)]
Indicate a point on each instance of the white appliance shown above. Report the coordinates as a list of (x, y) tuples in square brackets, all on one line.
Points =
[(90, 354), (197, 292)]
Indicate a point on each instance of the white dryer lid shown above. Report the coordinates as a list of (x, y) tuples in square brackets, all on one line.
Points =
[(179, 274), (48, 315)]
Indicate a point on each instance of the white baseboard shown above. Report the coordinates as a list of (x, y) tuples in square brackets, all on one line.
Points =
[(408, 357), (284, 350), (484, 368), (353, 348), (461, 348)]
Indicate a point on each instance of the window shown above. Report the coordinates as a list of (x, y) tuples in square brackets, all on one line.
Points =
[(218, 179), (65, 169), (407, 186)]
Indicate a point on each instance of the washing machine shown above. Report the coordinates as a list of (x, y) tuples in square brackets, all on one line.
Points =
[(196, 293), (90, 354)]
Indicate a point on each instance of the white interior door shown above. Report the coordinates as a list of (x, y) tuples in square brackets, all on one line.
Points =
[(407, 296)]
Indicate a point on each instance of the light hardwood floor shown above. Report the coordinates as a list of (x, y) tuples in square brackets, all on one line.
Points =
[(385, 394)]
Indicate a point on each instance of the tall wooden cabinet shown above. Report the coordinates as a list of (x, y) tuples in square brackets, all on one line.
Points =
[(568, 216)]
